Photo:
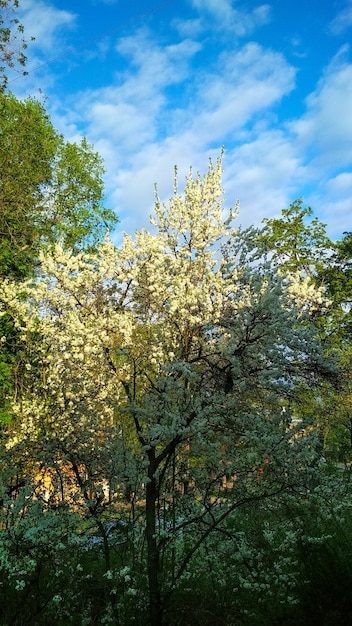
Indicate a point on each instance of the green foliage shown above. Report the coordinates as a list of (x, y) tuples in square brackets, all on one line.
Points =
[(298, 243), (339, 271), (338, 276), (295, 243), (324, 558), (50, 190), (73, 199), (28, 144)]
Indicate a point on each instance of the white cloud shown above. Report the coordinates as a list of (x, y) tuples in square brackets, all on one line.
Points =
[(343, 19), (323, 138), (45, 22), (264, 174), (324, 132), (334, 200), (247, 82), (342, 183), (221, 9), (188, 28), (124, 123), (228, 18), (153, 65), (338, 200)]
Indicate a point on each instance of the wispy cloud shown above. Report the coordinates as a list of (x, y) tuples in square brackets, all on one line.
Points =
[(343, 19), (334, 199), (188, 28), (322, 137), (228, 18), (46, 23), (263, 173), (324, 132), (52, 28), (245, 83)]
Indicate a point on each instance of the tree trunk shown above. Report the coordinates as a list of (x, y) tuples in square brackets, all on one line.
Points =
[(153, 560)]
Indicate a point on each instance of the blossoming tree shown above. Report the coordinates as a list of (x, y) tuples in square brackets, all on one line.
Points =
[(168, 369)]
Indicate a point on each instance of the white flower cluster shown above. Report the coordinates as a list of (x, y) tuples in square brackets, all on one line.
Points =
[(304, 294)]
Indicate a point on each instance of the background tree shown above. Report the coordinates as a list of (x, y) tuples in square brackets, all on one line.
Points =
[(297, 241), (50, 189), (338, 277), (300, 247)]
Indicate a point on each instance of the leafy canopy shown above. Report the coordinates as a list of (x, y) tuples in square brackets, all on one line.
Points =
[(50, 189)]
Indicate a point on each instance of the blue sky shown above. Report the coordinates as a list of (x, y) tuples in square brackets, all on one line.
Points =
[(153, 84)]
